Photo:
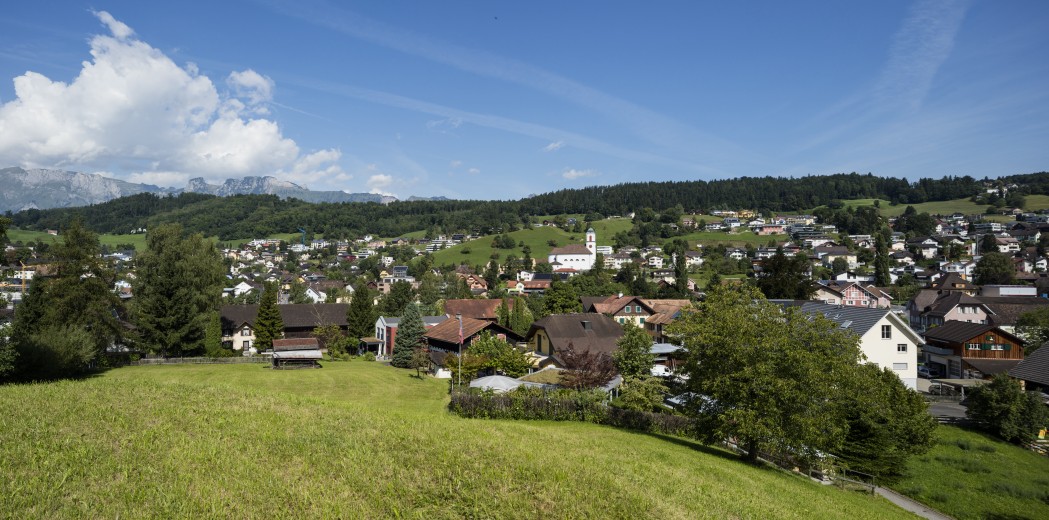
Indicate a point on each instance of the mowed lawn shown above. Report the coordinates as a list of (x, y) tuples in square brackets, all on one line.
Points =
[(354, 440), (971, 475)]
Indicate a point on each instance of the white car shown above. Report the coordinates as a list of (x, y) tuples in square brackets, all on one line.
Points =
[(661, 371)]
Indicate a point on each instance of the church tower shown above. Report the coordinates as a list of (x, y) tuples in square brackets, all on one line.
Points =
[(591, 241)]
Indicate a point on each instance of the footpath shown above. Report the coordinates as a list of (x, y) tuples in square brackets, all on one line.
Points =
[(910, 505)]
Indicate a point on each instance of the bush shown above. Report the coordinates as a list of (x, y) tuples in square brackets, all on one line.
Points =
[(563, 405), (368, 356), (1002, 408)]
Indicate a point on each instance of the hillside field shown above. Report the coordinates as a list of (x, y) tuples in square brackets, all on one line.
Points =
[(355, 440), (969, 475)]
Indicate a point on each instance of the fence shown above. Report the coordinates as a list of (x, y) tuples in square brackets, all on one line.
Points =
[(202, 361)]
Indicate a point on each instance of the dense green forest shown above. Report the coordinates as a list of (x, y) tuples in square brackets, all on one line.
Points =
[(258, 215)]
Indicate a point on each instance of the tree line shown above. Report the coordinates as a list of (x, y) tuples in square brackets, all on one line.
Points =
[(243, 216)]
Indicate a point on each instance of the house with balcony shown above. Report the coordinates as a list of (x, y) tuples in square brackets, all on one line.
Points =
[(962, 350)]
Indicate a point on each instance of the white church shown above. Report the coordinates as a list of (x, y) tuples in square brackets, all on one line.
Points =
[(575, 256)]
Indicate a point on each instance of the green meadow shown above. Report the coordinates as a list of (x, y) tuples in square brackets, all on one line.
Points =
[(355, 440), (969, 475)]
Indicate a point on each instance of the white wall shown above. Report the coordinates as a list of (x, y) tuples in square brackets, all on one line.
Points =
[(884, 352)]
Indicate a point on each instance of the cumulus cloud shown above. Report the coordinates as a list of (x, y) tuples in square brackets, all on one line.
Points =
[(573, 174), (455, 164), (473, 171), (252, 86), (554, 146), (379, 183), (445, 125), (132, 108)]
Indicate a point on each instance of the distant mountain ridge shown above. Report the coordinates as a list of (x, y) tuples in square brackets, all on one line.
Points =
[(44, 189)]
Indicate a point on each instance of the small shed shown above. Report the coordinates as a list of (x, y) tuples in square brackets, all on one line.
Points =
[(296, 353)]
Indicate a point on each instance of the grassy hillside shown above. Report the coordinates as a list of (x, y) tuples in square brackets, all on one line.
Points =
[(969, 475), (355, 440), (1034, 203), (139, 240), (536, 238)]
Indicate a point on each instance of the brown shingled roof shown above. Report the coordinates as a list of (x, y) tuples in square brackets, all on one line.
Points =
[(571, 249), (448, 330), (565, 329)]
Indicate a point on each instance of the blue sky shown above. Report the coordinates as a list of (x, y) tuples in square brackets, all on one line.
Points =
[(499, 100)]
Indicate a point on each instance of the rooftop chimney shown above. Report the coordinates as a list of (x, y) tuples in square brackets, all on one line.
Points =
[(586, 325)]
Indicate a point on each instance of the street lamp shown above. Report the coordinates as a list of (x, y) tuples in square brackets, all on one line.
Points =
[(459, 317)]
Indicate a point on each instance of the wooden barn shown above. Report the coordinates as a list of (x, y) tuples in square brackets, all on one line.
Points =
[(296, 353)]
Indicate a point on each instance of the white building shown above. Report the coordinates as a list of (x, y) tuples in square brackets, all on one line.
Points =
[(576, 256), (885, 338)]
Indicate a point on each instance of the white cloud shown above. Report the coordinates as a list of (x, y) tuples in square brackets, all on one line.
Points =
[(554, 146), (444, 125), (473, 171), (132, 109), (573, 174), (119, 29), (251, 85), (379, 183), (455, 164)]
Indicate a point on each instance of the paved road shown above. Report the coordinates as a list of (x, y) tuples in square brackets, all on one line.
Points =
[(910, 505)]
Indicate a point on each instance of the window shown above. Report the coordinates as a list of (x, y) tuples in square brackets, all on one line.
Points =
[(973, 346), (642, 321), (899, 366), (637, 308), (902, 348), (886, 332), (539, 344), (622, 320), (245, 332)]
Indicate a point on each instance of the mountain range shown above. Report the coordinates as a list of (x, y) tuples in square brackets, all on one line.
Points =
[(43, 189)]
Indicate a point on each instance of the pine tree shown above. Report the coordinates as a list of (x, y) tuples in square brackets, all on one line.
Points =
[(503, 313), (360, 316), (410, 332), (881, 260), (520, 316), (268, 325), (178, 286)]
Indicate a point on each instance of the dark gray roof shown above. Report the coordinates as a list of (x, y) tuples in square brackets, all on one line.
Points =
[(1035, 367), (953, 331), (991, 367), (1007, 309), (858, 319)]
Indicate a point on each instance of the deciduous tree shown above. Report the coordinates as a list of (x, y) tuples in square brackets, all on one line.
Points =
[(994, 268), (1002, 408), (764, 375), (634, 356)]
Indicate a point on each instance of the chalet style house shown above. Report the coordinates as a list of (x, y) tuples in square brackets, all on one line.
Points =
[(592, 331), (238, 322), (962, 350)]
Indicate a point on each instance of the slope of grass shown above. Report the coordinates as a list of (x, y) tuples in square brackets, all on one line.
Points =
[(536, 238), (970, 475), (354, 440)]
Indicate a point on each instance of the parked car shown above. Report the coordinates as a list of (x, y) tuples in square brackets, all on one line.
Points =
[(661, 371), (929, 372)]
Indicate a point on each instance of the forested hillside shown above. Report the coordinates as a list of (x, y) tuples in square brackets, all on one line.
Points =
[(257, 215)]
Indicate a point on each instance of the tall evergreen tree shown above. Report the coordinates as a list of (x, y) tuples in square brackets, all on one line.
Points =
[(520, 316), (360, 316), (410, 332), (784, 277), (503, 313), (881, 259), (400, 295), (268, 325), (179, 285)]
